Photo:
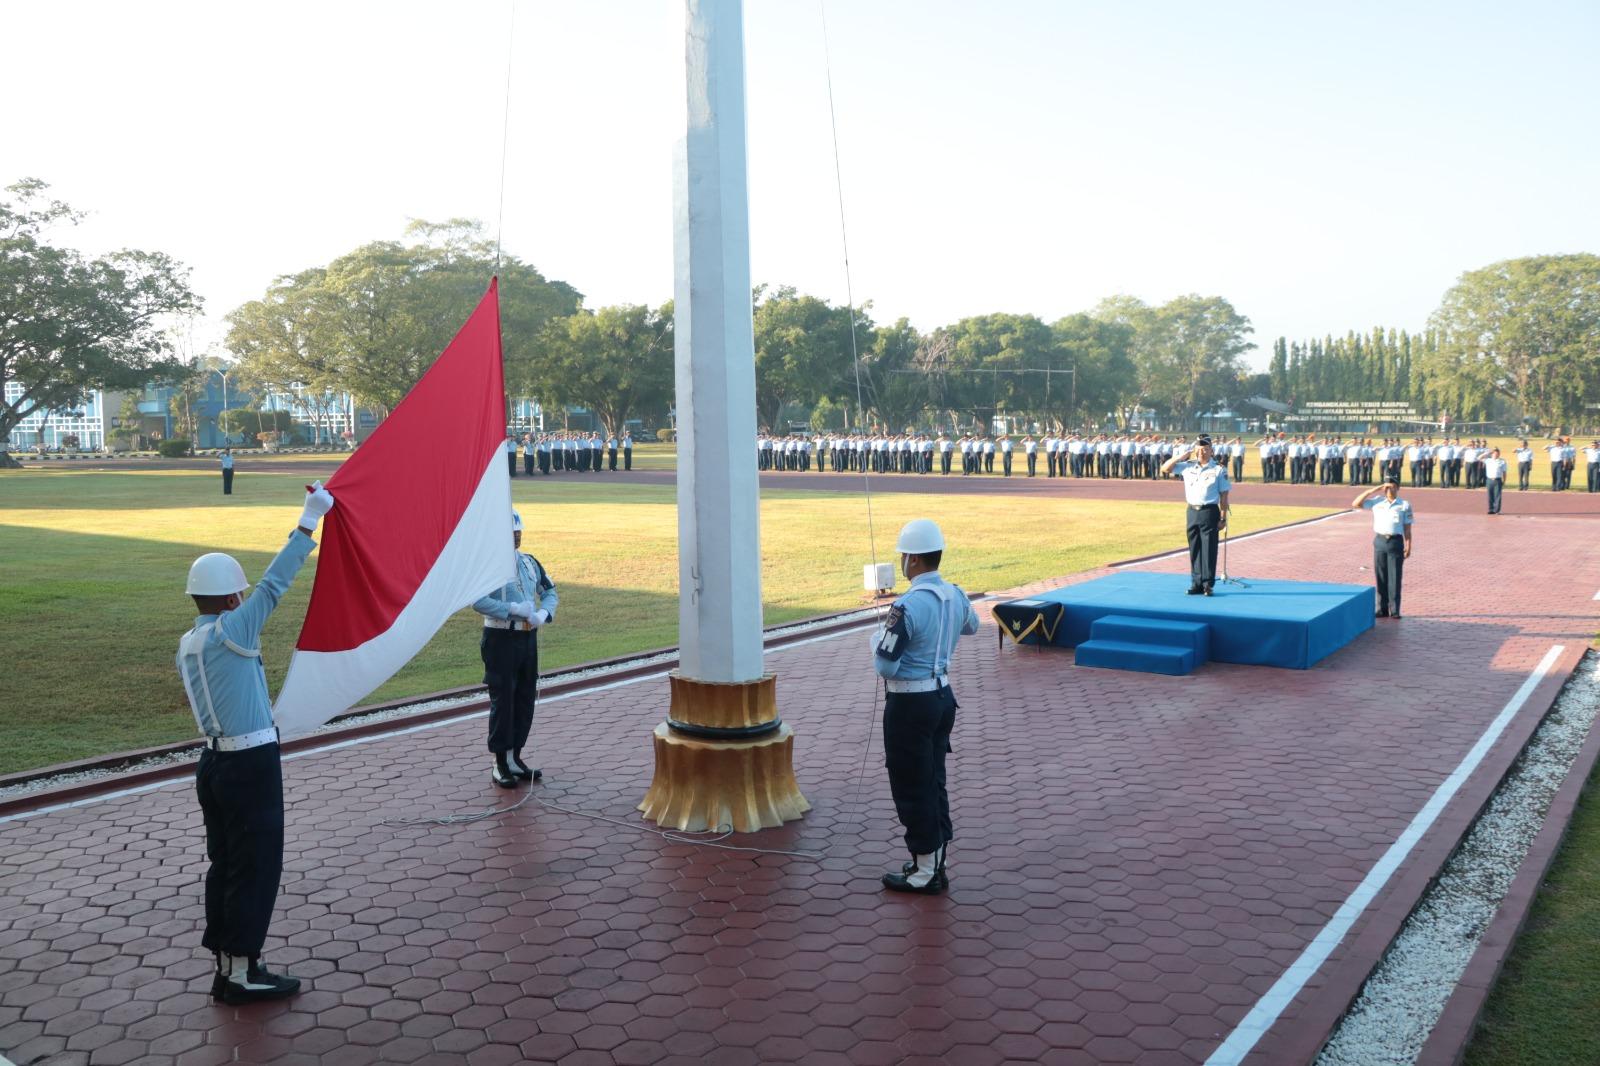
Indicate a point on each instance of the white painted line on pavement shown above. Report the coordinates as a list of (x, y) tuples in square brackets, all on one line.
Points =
[(387, 734), (1267, 1009)]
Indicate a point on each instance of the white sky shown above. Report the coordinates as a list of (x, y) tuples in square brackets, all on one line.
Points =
[(1325, 167)]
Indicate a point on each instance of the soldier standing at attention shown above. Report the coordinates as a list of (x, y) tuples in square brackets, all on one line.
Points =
[(1205, 490), (1391, 543), (1494, 478), (511, 454), (227, 471), (529, 454), (1005, 455), (1524, 456), (1030, 448), (627, 450), (611, 452), (911, 652), (1591, 459), (239, 780), (512, 618)]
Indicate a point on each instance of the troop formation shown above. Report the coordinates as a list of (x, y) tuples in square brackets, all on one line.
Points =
[(579, 452), (1298, 460), (1101, 455)]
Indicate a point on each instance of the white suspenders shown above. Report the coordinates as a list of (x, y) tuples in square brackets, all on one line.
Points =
[(192, 646), (946, 594)]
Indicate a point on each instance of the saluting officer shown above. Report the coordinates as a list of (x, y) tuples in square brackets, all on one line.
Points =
[(1205, 489), (239, 780), (1391, 543), (1494, 478), (911, 652), (512, 618)]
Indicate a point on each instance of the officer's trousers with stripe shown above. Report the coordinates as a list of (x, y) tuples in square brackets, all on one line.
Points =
[(916, 739), (241, 800)]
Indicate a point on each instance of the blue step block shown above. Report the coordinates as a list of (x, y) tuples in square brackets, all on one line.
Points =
[(1171, 632), (1130, 655)]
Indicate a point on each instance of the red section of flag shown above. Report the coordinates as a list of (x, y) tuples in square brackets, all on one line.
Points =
[(402, 493)]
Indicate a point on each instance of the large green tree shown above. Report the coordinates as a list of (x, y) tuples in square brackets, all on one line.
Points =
[(803, 350), (994, 364), (372, 321), (72, 323), (1527, 330), (1102, 372), (615, 361)]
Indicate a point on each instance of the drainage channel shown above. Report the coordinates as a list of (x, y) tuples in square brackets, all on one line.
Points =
[(1390, 1020)]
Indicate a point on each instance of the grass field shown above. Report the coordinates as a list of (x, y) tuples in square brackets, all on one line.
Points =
[(92, 567), (1542, 1011)]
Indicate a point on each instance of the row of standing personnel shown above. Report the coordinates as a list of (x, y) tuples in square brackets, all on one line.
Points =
[(1303, 460), (545, 453)]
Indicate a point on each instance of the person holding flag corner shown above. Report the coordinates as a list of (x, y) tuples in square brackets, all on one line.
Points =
[(239, 780)]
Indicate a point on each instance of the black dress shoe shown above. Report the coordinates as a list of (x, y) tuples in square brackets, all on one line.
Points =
[(258, 986), (1206, 590), (1194, 590), (900, 883), (501, 774), (1383, 613), (1396, 614)]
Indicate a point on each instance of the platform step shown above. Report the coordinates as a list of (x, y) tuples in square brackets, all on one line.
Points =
[(1134, 655), (1170, 632)]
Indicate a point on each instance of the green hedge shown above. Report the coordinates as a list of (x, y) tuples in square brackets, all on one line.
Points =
[(173, 449)]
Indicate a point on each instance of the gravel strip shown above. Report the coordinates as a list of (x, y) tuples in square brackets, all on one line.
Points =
[(156, 762), (1403, 998)]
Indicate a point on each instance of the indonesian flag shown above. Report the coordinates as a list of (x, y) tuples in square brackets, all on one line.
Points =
[(421, 527)]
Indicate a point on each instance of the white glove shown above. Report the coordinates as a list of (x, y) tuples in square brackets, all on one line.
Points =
[(538, 618), (319, 501), (523, 611)]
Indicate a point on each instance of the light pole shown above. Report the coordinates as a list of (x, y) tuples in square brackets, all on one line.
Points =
[(223, 374)]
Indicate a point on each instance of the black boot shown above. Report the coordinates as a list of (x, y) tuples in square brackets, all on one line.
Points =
[(926, 877), (521, 769), (501, 773)]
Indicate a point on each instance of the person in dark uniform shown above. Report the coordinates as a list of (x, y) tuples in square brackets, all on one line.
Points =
[(627, 451), (911, 652), (611, 452), (227, 471), (512, 618), (1391, 542), (239, 780), (529, 454), (511, 454), (544, 454), (1524, 456), (1205, 490)]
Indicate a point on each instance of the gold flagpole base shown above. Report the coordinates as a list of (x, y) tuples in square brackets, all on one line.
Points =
[(706, 779)]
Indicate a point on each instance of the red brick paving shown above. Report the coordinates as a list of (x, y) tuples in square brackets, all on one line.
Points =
[(1138, 858)]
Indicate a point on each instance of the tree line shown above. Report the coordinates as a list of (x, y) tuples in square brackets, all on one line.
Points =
[(1519, 336)]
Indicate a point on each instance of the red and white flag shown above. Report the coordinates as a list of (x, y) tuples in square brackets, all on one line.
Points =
[(421, 527)]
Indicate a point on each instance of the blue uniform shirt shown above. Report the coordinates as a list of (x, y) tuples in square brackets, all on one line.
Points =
[(919, 636), (1202, 483), (1389, 519), (532, 585), (227, 684)]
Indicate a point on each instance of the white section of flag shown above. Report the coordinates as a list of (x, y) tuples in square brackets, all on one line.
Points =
[(476, 560)]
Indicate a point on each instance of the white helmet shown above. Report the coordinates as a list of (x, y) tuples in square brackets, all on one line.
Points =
[(919, 537), (216, 574)]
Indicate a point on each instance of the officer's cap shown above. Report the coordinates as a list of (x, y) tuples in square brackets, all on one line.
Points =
[(1391, 480), (1203, 440)]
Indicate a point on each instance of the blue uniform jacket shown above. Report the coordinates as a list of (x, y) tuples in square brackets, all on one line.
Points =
[(231, 699), (532, 585), (915, 641)]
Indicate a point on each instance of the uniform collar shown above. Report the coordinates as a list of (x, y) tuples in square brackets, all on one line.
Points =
[(927, 578)]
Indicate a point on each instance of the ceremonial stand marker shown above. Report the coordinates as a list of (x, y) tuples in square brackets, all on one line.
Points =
[(723, 757)]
